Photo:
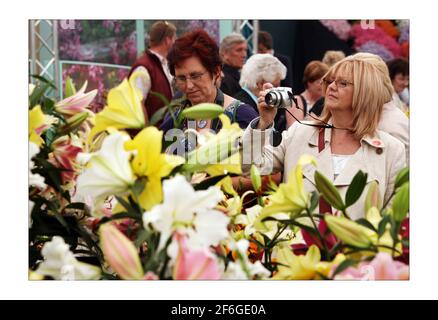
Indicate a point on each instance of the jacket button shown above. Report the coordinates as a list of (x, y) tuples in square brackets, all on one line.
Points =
[(379, 150)]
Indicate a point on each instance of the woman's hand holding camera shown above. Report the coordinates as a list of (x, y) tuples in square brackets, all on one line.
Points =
[(267, 113)]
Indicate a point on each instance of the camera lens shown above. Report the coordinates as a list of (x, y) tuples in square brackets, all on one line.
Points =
[(271, 99)]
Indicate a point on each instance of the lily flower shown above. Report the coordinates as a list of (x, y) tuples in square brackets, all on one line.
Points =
[(217, 153), (243, 268), (64, 156), (189, 211), (382, 267), (291, 197), (108, 171), (76, 103), (124, 109), (151, 163), (38, 123), (194, 265), (292, 267), (120, 253), (60, 263), (35, 179)]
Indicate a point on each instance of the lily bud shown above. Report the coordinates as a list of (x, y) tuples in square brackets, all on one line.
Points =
[(73, 123), (120, 253), (349, 231)]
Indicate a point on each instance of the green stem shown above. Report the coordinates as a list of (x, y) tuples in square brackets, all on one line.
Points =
[(326, 251)]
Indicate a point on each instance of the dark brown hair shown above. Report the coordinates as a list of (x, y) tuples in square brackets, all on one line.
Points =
[(195, 44)]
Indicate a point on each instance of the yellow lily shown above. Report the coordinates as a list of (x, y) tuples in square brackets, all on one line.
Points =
[(124, 109), (211, 155), (292, 267), (151, 163), (38, 123), (290, 197)]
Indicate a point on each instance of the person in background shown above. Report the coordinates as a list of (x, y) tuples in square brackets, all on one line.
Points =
[(399, 73), (162, 35), (265, 44), (331, 57), (312, 76), (195, 63), (346, 141), (259, 69), (233, 51)]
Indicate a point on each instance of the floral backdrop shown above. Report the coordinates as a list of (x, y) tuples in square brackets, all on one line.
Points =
[(387, 38), (110, 42)]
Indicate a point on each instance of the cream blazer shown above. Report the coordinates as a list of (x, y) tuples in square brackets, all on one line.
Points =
[(381, 157)]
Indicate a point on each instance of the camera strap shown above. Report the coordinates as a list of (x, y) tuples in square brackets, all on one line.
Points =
[(324, 207)]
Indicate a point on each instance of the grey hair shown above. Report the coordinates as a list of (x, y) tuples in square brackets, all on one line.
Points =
[(261, 67), (229, 41)]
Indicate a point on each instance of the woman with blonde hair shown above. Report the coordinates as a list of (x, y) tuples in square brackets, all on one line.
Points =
[(345, 141)]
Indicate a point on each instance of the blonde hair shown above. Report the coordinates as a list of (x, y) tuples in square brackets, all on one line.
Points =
[(332, 56), (372, 89)]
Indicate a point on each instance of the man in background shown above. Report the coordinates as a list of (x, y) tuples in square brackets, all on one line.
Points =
[(162, 35), (266, 45), (233, 51)]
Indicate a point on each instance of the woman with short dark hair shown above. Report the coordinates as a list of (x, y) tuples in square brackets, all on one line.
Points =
[(195, 63)]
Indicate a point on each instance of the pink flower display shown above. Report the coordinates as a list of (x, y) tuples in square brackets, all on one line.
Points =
[(382, 267), (339, 27), (377, 35), (194, 265)]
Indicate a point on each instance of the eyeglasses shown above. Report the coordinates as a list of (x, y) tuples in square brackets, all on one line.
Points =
[(194, 78), (340, 83)]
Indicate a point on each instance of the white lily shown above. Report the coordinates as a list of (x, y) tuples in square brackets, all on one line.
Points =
[(243, 269), (108, 171), (60, 263), (189, 211), (35, 179), (270, 228)]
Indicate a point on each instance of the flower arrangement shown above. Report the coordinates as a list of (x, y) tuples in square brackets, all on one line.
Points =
[(386, 38), (107, 202), (339, 27)]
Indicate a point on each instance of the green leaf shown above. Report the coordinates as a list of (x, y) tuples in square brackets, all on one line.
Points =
[(255, 178), (48, 106), (402, 177), (344, 265), (44, 80), (138, 186), (356, 188), (203, 111), (382, 225), (328, 191), (204, 185), (70, 88), (366, 223), (158, 116), (37, 93), (314, 201), (400, 205)]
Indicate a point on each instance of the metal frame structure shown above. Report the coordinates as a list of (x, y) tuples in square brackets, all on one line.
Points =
[(44, 48), (249, 29)]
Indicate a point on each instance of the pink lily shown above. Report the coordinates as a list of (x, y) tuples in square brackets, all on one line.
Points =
[(77, 102), (64, 157), (194, 265), (120, 253), (382, 267)]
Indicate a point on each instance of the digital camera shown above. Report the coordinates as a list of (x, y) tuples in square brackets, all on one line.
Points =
[(280, 97)]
